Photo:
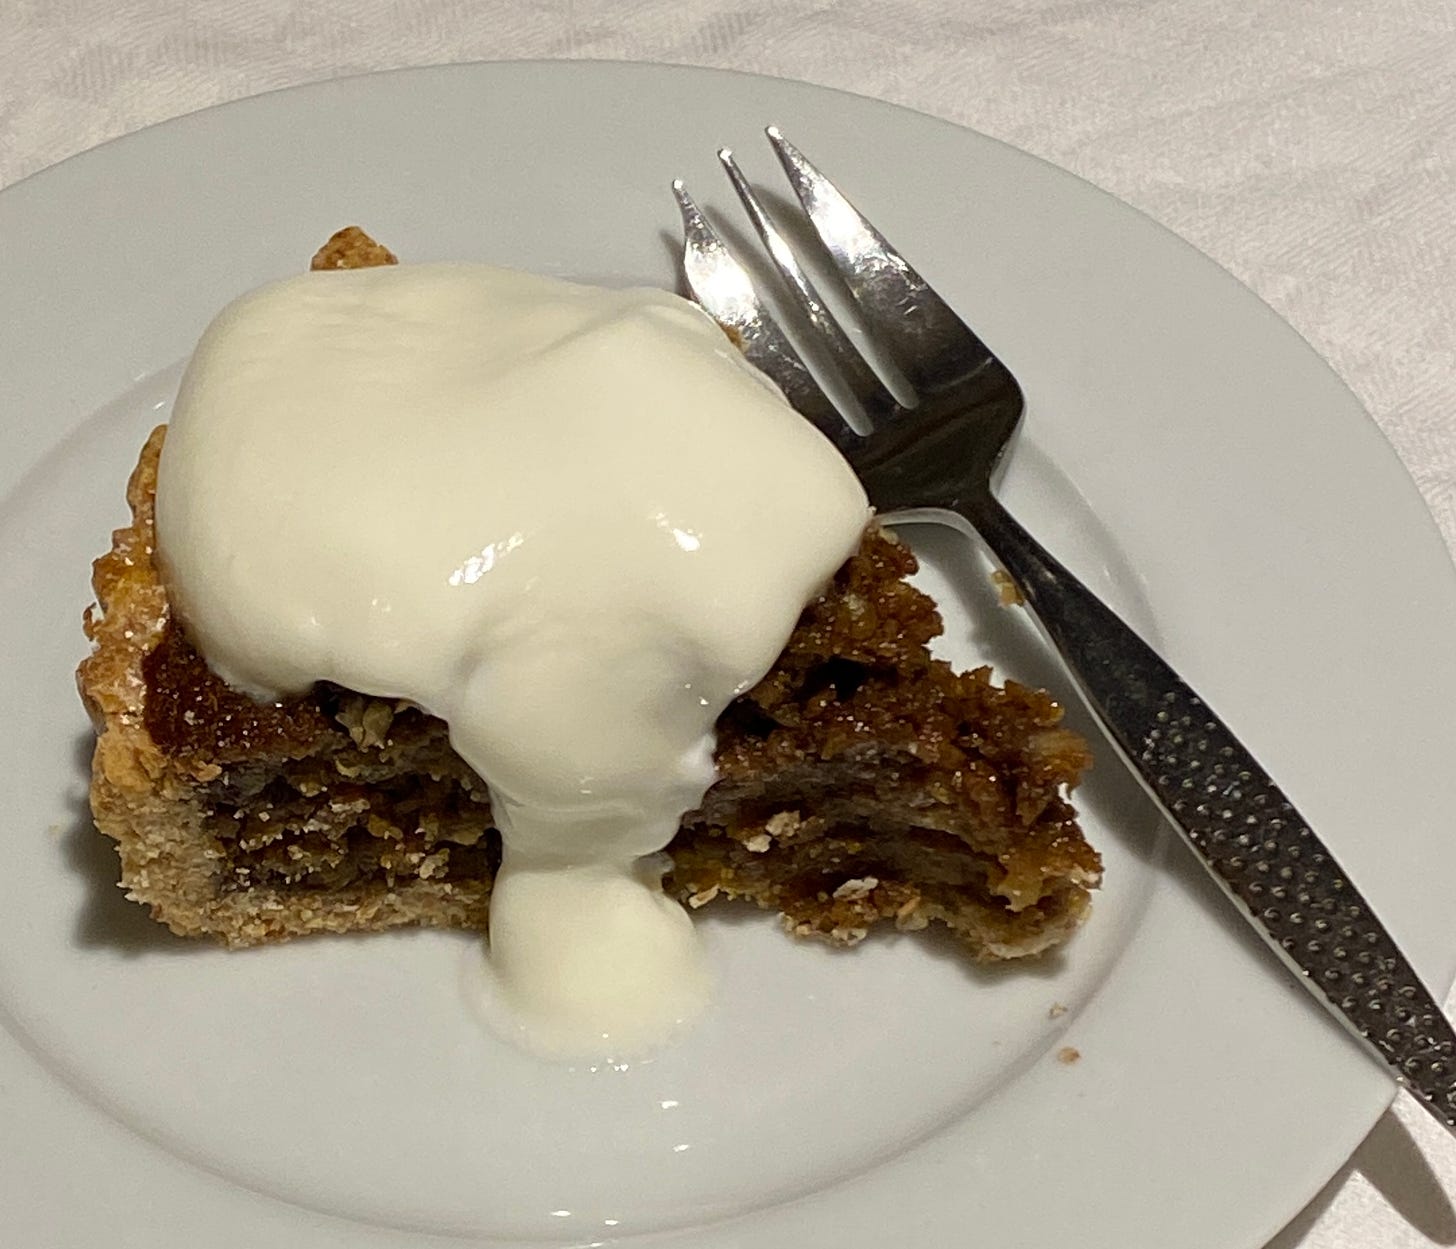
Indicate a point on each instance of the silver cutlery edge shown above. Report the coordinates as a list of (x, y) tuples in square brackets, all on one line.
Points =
[(1243, 828)]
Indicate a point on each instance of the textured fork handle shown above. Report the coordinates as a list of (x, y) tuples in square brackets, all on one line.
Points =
[(1231, 812)]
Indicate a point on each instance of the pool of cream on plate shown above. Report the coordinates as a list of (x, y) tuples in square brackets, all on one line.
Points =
[(569, 521)]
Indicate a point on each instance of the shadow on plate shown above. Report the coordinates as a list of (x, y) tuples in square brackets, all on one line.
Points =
[(1391, 1160), (106, 919)]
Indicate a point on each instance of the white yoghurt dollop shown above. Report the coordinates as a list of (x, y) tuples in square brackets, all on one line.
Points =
[(569, 521)]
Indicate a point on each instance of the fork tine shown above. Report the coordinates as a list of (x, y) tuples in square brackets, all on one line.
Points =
[(917, 329), (861, 380), (724, 290)]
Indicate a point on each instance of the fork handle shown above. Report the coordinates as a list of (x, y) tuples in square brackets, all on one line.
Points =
[(1242, 826)]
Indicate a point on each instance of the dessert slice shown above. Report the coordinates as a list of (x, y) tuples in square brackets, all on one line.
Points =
[(860, 781)]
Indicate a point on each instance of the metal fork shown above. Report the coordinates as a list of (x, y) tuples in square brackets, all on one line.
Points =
[(933, 460)]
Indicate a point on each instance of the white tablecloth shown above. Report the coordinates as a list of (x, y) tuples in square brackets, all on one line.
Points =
[(1307, 145)]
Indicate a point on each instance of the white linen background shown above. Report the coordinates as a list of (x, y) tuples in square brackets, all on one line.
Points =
[(1309, 146)]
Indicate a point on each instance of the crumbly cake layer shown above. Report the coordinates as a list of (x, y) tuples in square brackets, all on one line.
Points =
[(861, 782)]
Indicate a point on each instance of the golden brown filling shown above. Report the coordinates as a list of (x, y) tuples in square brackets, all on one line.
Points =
[(858, 758)]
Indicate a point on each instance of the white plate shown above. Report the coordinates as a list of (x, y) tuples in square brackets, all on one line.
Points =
[(339, 1092)]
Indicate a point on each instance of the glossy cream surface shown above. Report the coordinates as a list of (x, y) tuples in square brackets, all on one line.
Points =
[(569, 521)]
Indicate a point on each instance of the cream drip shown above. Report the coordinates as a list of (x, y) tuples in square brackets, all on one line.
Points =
[(569, 521)]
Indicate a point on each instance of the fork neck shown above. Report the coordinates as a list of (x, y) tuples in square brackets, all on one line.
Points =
[(1044, 582)]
